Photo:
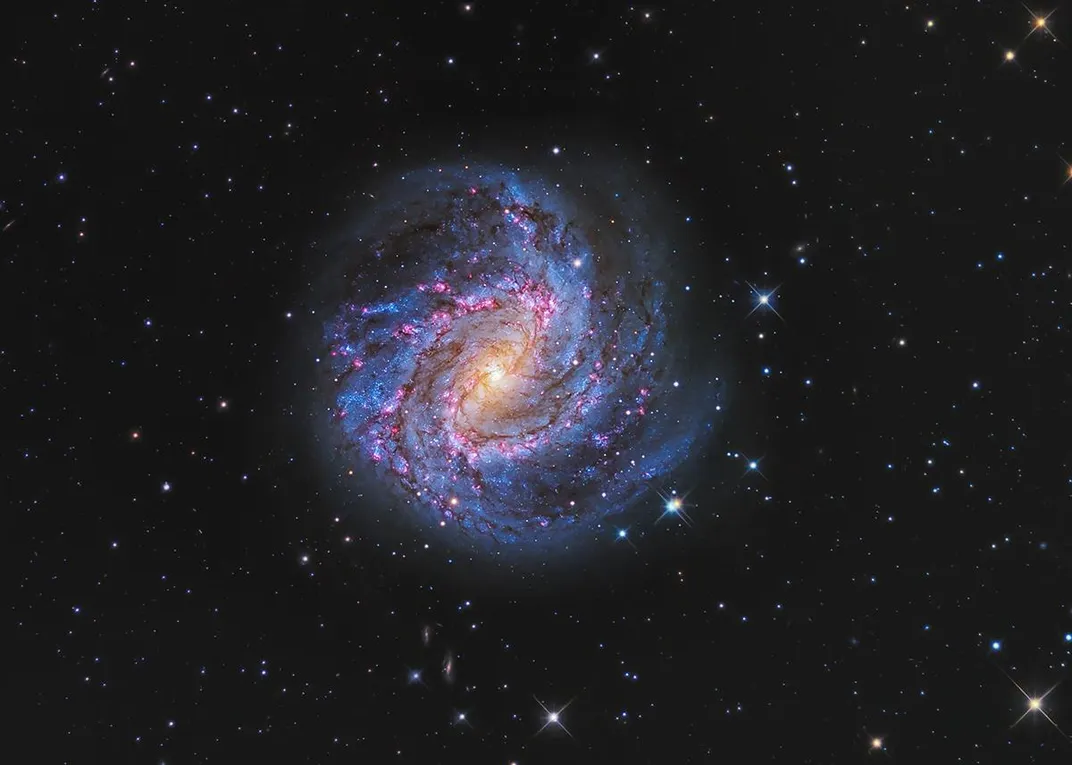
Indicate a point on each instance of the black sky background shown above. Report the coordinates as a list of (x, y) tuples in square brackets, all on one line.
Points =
[(873, 583)]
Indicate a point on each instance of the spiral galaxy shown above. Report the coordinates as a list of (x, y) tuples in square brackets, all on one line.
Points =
[(504, 355)]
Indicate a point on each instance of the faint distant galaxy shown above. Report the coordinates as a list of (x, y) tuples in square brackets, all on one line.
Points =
[(503, 352)]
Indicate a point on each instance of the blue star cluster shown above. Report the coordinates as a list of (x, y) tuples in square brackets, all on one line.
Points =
[(503, 356)]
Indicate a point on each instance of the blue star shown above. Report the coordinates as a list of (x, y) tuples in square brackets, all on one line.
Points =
[(675, 506), (765, 300), (752, 466)]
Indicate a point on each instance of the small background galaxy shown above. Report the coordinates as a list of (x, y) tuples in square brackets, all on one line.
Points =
[(537, 383), (503, 354)]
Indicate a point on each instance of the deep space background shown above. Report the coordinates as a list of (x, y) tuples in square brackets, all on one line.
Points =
[(874, 563)]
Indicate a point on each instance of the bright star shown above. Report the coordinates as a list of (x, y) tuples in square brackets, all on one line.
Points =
[(553, 718), (765, 300), (1034, 704), (674, 505), (1039, 22), (752, 466)]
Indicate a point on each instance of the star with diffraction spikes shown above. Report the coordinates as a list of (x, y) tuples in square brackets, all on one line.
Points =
[(553, 717), (675, 506), (1040, 23), (1035, 704), (622, 535), (461, 718), (765, 299), (876, 744), (752, 466), (415, 677)]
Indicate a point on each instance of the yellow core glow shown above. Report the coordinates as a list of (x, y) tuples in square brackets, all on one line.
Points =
[(494, 382)]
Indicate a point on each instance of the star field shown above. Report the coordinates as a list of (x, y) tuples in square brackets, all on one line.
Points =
[(568, 383)]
